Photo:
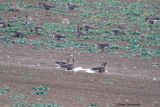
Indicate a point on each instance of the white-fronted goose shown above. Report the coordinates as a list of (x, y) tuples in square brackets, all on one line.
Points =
[(101, 69), (63, 63), (80, 32), (40, 5), (18, 34), (87, 27), (118, 32), (37, 28), (69, 66), (71, 6), (15, 7), (47, 6), (28, 19), (3, 24), (152, 20), (101, 46), (13, 19), (58, 37)]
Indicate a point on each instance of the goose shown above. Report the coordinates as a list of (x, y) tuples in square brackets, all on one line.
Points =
[(37, 28), (40, 5), (4, 24), (18, 34), (47, 6), (118, 32), (71, 6), (13, 19), (28, 19), (87, 27), (101, 46), (80, 32), (58, 37), (15, 7), (63, 63), (142, 38), (152, 20), (69, 66), (101, 69), (122, 25)]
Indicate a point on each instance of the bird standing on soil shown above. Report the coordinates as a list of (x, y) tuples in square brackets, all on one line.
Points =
[(37, 28), (101, 46), (118, 32), (13, 19), (40, 5), (152, 20), (3, 24), (28, 19), (101, 69), (47, 6), (63, 63), (69, 66), (58, 37), (18, 34), (71, 6), (87, 27), (79, 31), (15, 7)]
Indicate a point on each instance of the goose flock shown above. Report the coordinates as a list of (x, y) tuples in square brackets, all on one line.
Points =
[(81, 31), (68, 66)]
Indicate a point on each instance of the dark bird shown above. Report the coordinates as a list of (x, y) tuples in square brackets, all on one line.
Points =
[(47, 6), (18, 34), (101, 46), (80, 32), (37, 28), (4, 24), (152, 20), (71, 6), (58, 37), (69, 66), (15, 7), (63, 63), (87, 27), (101, 69), (118, 32)]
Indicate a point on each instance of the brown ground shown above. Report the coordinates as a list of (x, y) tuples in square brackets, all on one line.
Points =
[(128, 82)]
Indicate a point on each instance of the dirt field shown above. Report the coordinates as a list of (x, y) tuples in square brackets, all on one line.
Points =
[(128, 82)]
